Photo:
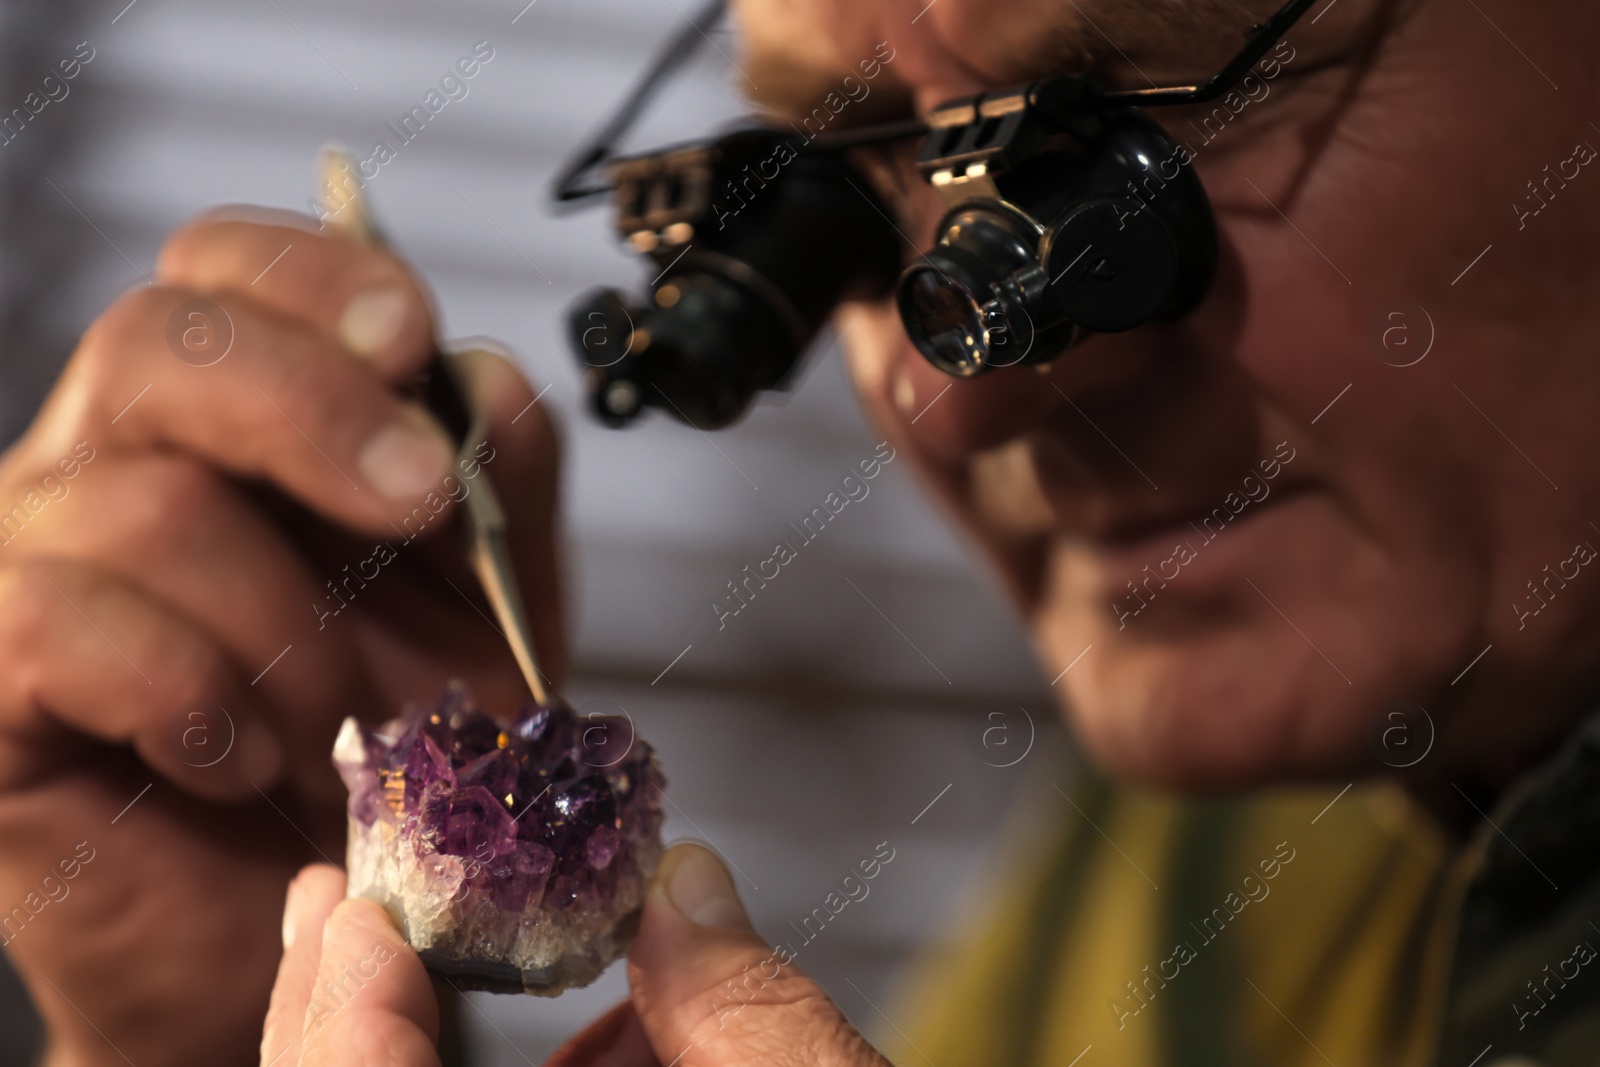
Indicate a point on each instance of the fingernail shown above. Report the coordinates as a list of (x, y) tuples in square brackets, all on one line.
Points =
[(260, 754), (291, 907), (699, 887), (373, 318), (257, 215), (905, 391), (406, 458)]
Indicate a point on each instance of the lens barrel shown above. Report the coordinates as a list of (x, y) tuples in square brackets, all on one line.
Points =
[(948, 298), (755, 242), (1097, 236)]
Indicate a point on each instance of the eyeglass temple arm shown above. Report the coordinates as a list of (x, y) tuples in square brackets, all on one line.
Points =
[(1262, 37)]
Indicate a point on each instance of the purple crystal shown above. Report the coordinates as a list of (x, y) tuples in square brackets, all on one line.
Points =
[(549, 813), (475, 735), (425, 765), (602, 847), (604, 741), (548, 733), (521, 877), (469, 822), (495, 770)]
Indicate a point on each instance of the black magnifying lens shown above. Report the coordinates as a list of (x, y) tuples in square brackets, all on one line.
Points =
[(948, 298), (730, 311), (945, 321)]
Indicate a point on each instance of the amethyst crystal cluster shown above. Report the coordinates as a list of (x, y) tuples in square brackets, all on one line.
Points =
[(514, 856)]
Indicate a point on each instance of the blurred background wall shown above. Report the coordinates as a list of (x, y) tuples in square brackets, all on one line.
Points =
[(827, 716)]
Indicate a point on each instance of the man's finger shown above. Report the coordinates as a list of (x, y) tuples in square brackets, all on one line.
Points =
[(85, 648), (270, 399), (357, 293), (371, 1002), (313, 895), (711, 993), (189, 538)]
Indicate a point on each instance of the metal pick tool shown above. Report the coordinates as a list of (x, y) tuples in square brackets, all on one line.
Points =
[(447, 396)]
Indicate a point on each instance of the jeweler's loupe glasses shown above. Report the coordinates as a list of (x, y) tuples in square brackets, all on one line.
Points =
[(1069, 212)]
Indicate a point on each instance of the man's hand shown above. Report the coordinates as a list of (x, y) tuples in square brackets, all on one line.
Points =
[(707, 991), (349, 990), (209, 555)]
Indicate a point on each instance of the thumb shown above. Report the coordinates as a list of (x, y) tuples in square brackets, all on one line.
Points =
[(710, 993), (371, 1002)]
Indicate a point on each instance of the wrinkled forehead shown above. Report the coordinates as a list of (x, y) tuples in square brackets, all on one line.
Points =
[(796, 51)]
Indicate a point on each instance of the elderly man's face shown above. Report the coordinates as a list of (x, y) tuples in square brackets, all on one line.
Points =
[(1327, 490)]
